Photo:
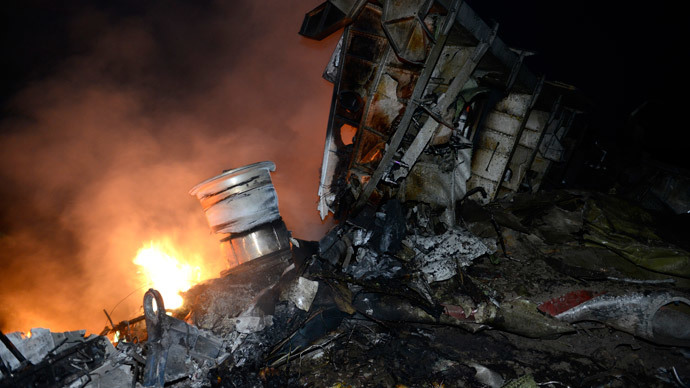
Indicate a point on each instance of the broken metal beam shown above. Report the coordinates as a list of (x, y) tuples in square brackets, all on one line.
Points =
[(420, 86)]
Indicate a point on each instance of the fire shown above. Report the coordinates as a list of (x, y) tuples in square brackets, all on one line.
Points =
[(163, 268)]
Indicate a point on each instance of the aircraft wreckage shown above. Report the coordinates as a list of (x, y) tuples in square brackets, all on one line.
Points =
[(447, 266)]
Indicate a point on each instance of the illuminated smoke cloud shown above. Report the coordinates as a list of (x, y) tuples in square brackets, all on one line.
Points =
[(102, 152)]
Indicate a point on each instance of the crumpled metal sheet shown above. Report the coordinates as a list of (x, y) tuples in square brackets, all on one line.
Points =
[(520, 316), (40, 343), (252, 324), (370, 265), (633, 313), (439, 256), (172, 344), (361, 237), (217, 301), (34, 348), (439, 180), (114, 373), (45, 367)]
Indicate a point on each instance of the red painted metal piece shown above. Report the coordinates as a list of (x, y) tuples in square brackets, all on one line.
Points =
[(563, 303)]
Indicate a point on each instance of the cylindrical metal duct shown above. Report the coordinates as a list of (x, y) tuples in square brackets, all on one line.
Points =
[(241, 207)]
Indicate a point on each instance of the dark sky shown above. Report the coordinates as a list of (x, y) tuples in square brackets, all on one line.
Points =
[(614, 50), (111, 111), (621, 54)]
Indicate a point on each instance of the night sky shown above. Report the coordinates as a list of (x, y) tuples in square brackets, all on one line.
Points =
[(146, 99), (620, 54)]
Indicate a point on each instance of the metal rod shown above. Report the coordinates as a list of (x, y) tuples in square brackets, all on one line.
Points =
[(112, 325)]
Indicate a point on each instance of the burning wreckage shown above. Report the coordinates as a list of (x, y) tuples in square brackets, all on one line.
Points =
[(447, 266)]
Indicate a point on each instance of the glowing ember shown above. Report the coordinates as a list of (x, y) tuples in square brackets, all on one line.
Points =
[(162, 270)]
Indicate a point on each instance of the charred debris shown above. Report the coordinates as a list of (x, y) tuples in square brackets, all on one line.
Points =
[(455, 262)]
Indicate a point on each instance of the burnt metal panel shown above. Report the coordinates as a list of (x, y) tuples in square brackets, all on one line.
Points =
[(419, 76), (413, 103), (439, 114), (407, 30)]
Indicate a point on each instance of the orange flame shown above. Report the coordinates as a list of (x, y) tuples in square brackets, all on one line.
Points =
[(162, 267)]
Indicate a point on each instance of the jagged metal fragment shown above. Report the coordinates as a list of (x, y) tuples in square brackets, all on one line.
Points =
[(370, 265), (439, 256), (252, 324), (301, 292)]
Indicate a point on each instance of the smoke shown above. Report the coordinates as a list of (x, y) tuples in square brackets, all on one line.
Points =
[(99, 156)]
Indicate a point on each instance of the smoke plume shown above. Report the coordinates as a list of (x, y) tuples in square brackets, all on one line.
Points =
[(98, 157)]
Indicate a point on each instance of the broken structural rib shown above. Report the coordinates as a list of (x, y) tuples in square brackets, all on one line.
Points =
[(406, 76)]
